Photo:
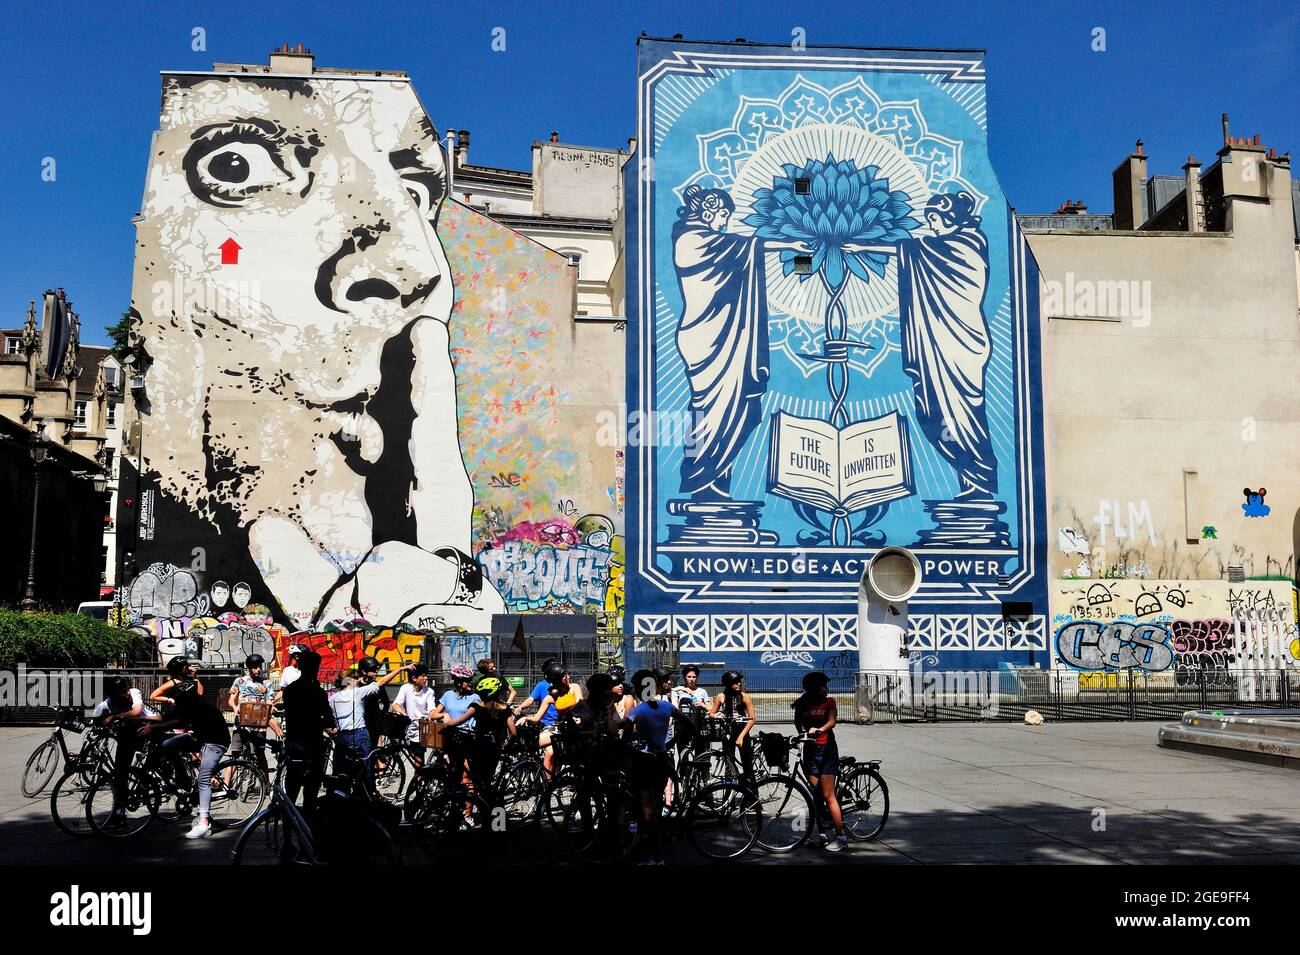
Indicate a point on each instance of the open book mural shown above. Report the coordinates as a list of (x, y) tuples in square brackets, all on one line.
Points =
[(834, 295)]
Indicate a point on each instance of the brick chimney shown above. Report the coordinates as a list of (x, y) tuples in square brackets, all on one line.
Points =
[(295, 60), (1127, 181), (1071, 207)]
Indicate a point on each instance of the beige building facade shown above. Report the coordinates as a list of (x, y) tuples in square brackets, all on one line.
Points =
[(1172, 393)]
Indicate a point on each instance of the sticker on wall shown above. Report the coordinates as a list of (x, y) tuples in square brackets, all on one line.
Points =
[(1255, 506)]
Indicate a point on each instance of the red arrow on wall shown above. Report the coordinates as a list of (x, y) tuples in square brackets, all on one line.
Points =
[(230, 252)]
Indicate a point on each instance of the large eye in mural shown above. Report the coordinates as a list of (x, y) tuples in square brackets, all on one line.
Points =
[(425, 189), (229, 164)]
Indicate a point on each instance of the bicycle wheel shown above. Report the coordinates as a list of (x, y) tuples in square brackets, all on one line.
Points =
[(522, 790), (724, 820), (239, 800), (137, 810), (390, 775), (787, 809), (864, 802), (451, 823), (42, 768), (263, 842), (96, 757), (599, 821), (68, 804)]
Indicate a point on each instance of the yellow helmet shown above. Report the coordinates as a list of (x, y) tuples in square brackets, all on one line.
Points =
[(488, 687)]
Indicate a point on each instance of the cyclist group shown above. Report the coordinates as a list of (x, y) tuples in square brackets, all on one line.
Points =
[(638, 722)]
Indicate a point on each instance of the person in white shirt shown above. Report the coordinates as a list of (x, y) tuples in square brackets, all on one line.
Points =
[(348, 706), (690, 692), (416, 700), (123, 705)]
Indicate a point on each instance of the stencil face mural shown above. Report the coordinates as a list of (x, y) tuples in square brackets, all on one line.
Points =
[(300, 428), (835, 348)]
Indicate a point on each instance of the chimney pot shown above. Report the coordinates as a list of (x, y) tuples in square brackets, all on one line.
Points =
[(1256, 140), (555, 137), (1139, 147)]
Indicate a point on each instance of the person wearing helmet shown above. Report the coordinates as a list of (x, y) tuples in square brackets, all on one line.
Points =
[(291, 672), (251, 687), (374, 704), (738, 710), (649, 766), (488, 667), (182, 677), (560, 697), (416, 701), (455, 702), (541, 689), (121, 709), (815, 716), (205, 730), (494, 721), (625, 698)]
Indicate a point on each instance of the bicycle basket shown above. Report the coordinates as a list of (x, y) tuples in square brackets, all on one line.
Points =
[(254, 716), (776, 749), (717, 730), (72, 722), (571, 747)]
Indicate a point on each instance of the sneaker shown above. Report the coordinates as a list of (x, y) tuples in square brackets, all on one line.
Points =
[(823, 838), (201, 830), (840, 843)]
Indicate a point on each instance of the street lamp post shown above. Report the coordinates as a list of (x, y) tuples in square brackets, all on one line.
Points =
[(38, 451)]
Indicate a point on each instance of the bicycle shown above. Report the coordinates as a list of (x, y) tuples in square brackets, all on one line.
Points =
[(791, 809), (68, 798), (167, 786), (598, 817), (43, 766), (280, 833)]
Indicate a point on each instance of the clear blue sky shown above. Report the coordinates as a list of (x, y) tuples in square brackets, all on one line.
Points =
[(84, 88)]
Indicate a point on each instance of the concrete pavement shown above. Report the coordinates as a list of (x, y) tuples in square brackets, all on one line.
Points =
[(1095, 793)]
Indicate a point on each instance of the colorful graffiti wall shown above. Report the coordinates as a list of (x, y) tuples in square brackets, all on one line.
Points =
[(358, 408), (833, 346), (1189, 631)]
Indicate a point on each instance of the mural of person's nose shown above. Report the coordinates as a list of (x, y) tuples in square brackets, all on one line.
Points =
[(387, 271)]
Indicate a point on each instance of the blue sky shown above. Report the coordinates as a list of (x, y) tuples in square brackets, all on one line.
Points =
[(84, 89)]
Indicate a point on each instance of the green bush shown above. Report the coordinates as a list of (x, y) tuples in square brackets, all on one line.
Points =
[(65, 640)]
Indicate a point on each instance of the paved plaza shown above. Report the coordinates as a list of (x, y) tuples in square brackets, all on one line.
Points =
[(1092, 793)]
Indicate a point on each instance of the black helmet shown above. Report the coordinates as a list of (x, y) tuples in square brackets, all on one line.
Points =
[(814, 679), (618, 673), (368, 665), (176, 666), (732, 677), (116, 686), (662, 674), (555, 673), (548, 663), (254, 661)]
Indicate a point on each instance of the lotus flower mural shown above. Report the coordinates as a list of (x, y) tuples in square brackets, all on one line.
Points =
[(842, 204)]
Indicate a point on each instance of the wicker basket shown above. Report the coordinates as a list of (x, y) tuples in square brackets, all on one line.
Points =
[(430, 734), (254, 716)]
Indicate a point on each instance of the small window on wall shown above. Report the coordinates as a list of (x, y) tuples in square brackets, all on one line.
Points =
[(13, 345), (111, 419), (110, 375), (81, 414)]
